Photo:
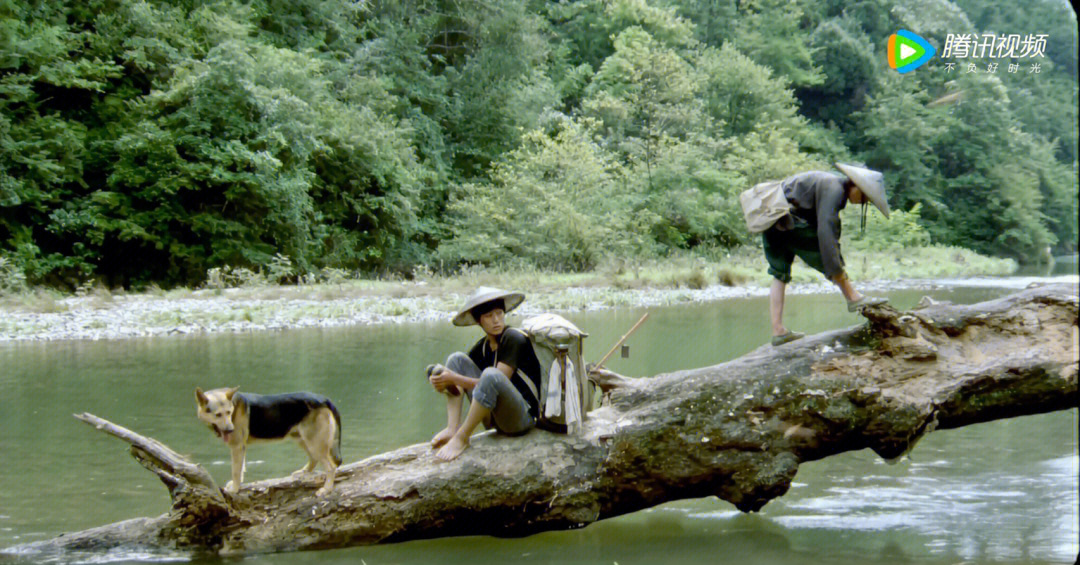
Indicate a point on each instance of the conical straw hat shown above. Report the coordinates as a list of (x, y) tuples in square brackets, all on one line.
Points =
[(870, 182), (484, 294)]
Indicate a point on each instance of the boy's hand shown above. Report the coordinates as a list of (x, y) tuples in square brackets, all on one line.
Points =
[(442, 379)]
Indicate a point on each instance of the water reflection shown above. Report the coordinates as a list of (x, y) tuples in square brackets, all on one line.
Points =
[(1060, 265), (965, 499), (985, 493)]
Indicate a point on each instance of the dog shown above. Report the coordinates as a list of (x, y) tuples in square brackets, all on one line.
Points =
[(240, 419)]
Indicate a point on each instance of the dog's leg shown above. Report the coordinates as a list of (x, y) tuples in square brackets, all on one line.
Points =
[(238, 459), (331, 472), (312, 458), (321, 445)]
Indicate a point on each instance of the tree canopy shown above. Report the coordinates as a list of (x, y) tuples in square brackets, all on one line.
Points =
[(149, 141)]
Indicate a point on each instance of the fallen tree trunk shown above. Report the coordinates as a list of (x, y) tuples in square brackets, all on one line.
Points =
[(738, 430)]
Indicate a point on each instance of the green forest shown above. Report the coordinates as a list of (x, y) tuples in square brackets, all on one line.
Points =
[(149, 142)]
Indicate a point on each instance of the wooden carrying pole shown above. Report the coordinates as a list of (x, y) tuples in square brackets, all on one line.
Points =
[(620, 342)]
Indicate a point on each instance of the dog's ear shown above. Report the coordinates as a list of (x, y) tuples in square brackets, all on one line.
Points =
[(230, 392), (200, 397)]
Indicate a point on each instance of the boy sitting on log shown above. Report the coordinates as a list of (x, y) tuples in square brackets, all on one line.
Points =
[(500, 375)]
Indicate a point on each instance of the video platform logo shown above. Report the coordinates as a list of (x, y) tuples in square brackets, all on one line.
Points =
[(908, 51)]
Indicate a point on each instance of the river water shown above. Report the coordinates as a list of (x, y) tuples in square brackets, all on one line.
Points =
[(1000, 492)]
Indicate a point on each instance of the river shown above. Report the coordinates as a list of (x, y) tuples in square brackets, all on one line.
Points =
[(1000, 492)]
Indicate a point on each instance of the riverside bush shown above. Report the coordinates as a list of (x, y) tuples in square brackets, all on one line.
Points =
[(12, 279), (901, 230), (220, 278)]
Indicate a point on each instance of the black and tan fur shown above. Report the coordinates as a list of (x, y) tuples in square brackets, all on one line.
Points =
[(241, 419)]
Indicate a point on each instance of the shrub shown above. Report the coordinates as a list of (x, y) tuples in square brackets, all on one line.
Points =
[(901, 230), (12, 279)]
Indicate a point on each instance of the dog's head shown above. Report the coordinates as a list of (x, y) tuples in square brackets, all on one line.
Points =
[(215, 408)]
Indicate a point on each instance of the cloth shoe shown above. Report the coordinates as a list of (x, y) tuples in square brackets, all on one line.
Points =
[(788, 337), (854, 305)]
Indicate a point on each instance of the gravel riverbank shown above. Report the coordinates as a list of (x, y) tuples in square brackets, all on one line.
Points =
[(238, 310)]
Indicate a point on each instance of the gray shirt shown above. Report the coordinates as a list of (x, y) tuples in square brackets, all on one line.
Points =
[(817, 197)]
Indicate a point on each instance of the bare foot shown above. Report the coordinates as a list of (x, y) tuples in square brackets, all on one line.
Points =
[(441, 438), (452, 449)]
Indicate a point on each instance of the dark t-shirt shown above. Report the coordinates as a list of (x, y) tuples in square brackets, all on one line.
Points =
[(515, 350)]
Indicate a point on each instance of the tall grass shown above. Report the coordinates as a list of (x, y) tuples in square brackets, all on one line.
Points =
[(690, 270), (928, 262)]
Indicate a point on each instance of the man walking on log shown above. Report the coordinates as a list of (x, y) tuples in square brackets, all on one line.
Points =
[(812, 232), (500, 375)]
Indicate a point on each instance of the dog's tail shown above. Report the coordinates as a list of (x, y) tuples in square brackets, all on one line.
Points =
[(336, 452)]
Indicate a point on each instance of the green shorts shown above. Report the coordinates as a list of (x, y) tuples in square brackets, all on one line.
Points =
[(781, 248)]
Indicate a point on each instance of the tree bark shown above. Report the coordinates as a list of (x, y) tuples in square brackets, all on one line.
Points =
[(738, 431)]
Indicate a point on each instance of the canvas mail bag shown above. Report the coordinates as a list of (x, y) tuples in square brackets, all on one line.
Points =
[(763, 204), (566, 393)]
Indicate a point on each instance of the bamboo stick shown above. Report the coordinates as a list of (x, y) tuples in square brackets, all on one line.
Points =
[(620, 342)]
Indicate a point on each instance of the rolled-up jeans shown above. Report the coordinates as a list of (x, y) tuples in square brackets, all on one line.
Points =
[(494, 391)]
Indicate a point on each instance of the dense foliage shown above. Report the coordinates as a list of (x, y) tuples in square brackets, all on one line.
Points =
[(152, 141)]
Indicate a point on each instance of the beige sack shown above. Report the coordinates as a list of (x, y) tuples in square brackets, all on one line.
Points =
[(763, 204), (566, 393)]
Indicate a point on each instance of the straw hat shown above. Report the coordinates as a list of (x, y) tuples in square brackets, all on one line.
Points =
[(871, 183), (484, 294)]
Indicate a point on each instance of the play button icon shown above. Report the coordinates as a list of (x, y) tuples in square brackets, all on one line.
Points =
[(907, 51)]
